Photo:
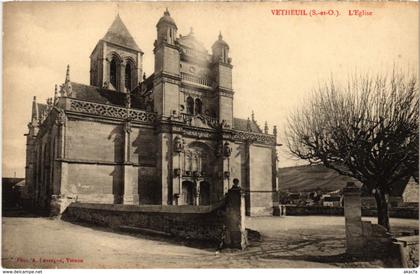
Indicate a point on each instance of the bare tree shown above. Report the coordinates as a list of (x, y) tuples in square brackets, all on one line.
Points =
[(366, 129)]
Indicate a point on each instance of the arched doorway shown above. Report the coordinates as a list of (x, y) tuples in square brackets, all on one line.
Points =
[(204, 193), (187, 193)]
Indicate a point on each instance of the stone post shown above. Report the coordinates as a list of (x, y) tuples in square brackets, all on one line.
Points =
[(353, 219), (236, 236)]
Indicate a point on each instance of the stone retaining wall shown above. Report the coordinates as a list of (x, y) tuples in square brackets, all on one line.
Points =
[(189, 222), (223, 221), (399, 212)]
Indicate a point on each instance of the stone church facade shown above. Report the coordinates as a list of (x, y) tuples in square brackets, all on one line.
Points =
[(169, 139)]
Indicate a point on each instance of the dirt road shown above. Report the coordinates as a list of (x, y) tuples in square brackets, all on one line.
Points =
[(287, 242)]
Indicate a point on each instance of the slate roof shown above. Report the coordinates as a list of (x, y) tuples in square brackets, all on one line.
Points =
[(97, 95), (166, 19), (102, 96), (220, 42), (119, 34), (242, 124)]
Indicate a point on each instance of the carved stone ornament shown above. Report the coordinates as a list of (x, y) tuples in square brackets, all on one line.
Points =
[(61, 118), (177, 172), (178, 144), (112, 111), (127, 127), (227, 150)]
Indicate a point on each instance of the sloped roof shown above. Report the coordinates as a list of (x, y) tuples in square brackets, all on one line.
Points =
[(103, 96), (97, 95), (242, 124), (166, 19), (220, 42), (119, 34)]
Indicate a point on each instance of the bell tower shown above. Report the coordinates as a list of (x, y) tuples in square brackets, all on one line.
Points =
[(116, 61)]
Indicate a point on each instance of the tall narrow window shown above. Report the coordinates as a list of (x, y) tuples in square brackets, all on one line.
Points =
[(188, 163), (190, 105), (128, 76), (113, 73), (198, 106)]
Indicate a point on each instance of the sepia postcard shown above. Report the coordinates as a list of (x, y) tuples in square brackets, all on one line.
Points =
[(176, 135)]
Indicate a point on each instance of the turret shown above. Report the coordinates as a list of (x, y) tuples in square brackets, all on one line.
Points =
[(222, 70), (35, 112), (220, 50), (167, 68), (166, 29)]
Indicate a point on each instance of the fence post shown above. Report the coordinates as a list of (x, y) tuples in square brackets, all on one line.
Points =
[(236, 236), (353, 219)]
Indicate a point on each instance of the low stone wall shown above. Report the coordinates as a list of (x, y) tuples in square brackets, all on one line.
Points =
[(399, 212), (221, 222), (409, 251), (188, 222)]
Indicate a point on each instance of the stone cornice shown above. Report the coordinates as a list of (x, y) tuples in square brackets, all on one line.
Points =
[(106, 163), (102, 110), (166, 77), (254, 137), (165, 44)]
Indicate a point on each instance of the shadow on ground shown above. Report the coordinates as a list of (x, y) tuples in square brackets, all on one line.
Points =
[(18, 212), (171, 240)]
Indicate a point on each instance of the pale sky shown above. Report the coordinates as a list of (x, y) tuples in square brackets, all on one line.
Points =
[(277, 59)]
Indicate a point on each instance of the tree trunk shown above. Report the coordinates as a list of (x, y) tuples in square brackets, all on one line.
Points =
[(382, 205)]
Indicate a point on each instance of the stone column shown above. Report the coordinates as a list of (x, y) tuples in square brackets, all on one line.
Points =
[(353, 219), (236, 236), (177, 170), (121, 78), (164, 166), (130, 179), (274, 178)]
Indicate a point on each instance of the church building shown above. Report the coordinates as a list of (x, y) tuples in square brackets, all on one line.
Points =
[(167, 139)]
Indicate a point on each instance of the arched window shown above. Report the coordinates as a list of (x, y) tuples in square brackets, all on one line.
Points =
[(128, 76), (190, 105), (113, 73), (198, 106)]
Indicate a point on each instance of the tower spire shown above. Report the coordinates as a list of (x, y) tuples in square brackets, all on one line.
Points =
[(265, 127), (253, 116), (66, 88), (248, 124), (55, 93), (67, 74), (35, 113)]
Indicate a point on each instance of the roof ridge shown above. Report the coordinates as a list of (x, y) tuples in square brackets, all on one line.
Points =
[(118, 34)]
